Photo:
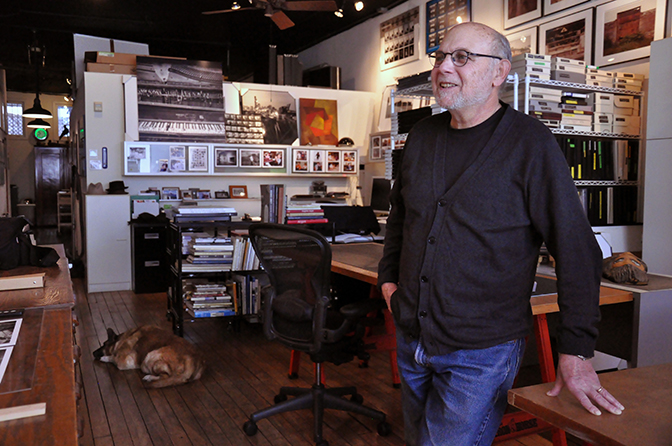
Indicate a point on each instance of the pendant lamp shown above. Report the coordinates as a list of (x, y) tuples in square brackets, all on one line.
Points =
[(37, 112)]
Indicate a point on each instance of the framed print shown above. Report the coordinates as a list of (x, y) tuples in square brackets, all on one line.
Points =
[(177, 159), (269, 114), (524, 41), (333, 161), (399, 37), (9, 331), (203, 195), (441, 16), (626, 28), (319, 122), (317, 161), (551, 6), (250, 158), (349, 158), (517, 12), (569, 36), (226, 157), (187, 195), (273, 158), (170, 193), (300, 160), (377, 147), (198, 158), (238, 191), (222, 194)]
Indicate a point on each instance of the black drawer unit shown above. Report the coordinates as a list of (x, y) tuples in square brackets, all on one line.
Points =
[(150, 267)]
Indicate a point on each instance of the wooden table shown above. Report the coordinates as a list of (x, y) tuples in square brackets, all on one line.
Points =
[(41, 368), (646, 393), (360, 261)]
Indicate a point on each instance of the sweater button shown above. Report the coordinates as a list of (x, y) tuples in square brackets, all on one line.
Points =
[(424, 279), (442, 202), (431, 240), (423, 313)]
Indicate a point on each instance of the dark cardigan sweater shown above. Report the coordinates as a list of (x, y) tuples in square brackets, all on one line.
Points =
[(465, 259)]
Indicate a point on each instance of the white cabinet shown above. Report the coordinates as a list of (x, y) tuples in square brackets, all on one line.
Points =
[(108, 243)]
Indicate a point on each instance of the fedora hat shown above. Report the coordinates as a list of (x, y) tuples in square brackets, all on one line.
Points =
[(117, 187), (95, 189)]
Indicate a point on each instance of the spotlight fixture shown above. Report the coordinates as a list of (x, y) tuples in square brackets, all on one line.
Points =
[(38, 124), (235, 6), (339, 13), (359, 5)]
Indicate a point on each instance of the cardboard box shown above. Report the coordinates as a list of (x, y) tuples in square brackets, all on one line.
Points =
[(628, 87), (565, 61), (602, 107), (529, 56), (110, 68), (623, 105), (601, 98), (602, 128), (599, 84), (603, 118), (109, 58), (598, 72), (629, 125), (532, 75), (568, 76), (635, 76), (568, 67), (599, 77), (526, 63)]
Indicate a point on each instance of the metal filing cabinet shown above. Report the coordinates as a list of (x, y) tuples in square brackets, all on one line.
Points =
[(150, 268)]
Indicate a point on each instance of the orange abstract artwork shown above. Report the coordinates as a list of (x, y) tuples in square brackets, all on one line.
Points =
[(319, 123)]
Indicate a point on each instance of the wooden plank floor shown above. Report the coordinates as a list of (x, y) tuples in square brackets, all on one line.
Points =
[(244, 374)]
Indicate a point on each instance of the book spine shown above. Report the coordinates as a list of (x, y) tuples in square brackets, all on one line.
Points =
[(307, 221)]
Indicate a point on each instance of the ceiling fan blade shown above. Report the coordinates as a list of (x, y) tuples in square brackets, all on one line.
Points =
[(310, 5), (221, 11), (281, 19)]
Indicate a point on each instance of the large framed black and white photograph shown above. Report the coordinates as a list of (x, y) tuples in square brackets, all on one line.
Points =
[(569, 37), (399, 39), (626, 28), (441, 15), (272, 111), (517, 12), (250, 158), (524, 41), (226, 157)]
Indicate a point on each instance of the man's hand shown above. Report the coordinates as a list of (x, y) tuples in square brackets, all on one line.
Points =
[(580, 378), (388, 289)]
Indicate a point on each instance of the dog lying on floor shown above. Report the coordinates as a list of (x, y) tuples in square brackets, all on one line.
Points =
[(166, 359)]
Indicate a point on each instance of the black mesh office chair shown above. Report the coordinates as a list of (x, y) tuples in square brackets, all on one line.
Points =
[(297, 311)]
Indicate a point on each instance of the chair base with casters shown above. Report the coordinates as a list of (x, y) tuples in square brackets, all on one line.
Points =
[(318, 398)]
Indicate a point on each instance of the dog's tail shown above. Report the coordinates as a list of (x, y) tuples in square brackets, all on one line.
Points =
[(165, 374)]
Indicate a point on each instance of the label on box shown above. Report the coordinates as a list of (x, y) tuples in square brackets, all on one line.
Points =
[(603, 118), (599, 72), (567, 67), (529, 56), (563, 60), (568, 76)]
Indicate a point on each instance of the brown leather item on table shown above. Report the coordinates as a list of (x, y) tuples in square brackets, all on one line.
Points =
[(625, 268)]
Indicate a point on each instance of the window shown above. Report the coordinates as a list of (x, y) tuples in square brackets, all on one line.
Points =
[(15, 119), (63, 113)]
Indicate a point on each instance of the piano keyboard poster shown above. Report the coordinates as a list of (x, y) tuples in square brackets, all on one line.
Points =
[(180, 100)]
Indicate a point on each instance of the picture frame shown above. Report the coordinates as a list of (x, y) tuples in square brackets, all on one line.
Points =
[(610, 47), (318, 161), (226, 157), (553, 6), (399, 39), (203, 195), (170, 193), (318, 122), (198, 158), (220, 194), (517, 12), (376, 148), (187, 195), (238, 191), (273, 158), (578, 27), (524, 41), (249, 158), (350, 161), (333, 161), (440, 17), (300, 158)]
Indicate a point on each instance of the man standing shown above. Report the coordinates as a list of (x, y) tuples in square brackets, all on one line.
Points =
[(480, 187)]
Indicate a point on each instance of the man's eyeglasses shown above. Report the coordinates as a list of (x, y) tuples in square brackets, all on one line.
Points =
[(459, 57)]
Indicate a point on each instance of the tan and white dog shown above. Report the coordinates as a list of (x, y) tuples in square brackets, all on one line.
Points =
[(166, 359)]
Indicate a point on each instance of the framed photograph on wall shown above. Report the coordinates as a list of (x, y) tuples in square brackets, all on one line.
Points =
[(198, 158), (300, 160), (349, 158), (273, 158), (569, 36), (552, 6), (238, 191), (377, 148), (626, 28), (399, 37), (524, 41), (318, 161), (226, 157), (250, 158), (443, 15), (517, 12)]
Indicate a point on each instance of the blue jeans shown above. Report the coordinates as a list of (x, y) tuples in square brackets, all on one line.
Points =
[(457, 399)]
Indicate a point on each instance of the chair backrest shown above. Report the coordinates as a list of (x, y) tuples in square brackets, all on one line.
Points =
[(298, 264)]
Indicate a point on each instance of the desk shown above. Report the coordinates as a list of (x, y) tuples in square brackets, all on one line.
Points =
[(646, 393), (360, 261), (41, 368)]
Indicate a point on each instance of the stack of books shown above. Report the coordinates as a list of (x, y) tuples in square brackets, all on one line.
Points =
[(244, 257), (208, 299), (301, 214), (199, 213), (208, 253)]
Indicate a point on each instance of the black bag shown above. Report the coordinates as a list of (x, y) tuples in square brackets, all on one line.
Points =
[(16, 248)]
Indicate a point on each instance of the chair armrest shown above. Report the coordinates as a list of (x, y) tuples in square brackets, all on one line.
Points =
[(353, 313)]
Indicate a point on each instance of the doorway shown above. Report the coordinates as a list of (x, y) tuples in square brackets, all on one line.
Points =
[(52, 173)]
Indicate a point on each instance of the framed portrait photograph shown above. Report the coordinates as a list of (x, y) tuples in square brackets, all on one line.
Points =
[(238, 191), (300, 161), (273, 158), (552, 6), (569, 36), (250, 158), (222, 194), (318, 161), (226, 157), (517, 12), (170, 193), (187, 195), (203, 195), (376, 151), (524, 41), (626, 28), (198, 158)]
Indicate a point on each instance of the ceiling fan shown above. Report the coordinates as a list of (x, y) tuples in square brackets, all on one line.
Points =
[(274, 9)]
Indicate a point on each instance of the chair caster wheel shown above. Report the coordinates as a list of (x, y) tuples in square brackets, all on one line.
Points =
[(250, 428), (293, 376), (396, 386), (357, 398), (384, 429), (279, 398)]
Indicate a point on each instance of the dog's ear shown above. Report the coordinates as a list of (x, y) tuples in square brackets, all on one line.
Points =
[(111, 335)]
